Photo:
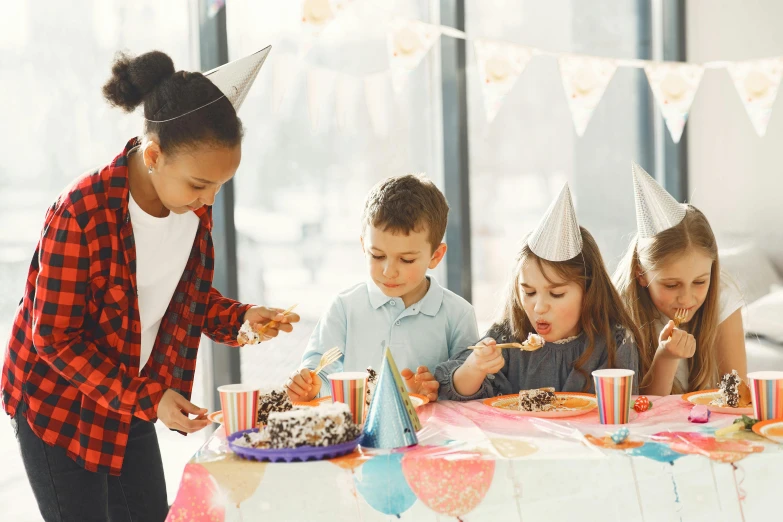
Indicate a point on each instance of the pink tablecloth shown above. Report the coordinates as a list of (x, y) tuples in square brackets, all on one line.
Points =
[(474, 462)]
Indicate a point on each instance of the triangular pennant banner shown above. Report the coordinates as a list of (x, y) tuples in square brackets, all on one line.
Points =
[(407, 42), (320, 86), (316, 16), (585, 79), (674, 86), (757, 83), (499, 66)]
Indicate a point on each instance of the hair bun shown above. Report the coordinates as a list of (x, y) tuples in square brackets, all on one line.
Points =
[(133, 78)]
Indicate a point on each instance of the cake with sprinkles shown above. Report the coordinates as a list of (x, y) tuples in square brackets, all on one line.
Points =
[(372, 380), (274, 401), (733, 392), (537, 400), (324, 425)]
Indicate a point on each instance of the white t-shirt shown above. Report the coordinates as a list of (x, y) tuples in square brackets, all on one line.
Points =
[(163, 246), (729, 301)]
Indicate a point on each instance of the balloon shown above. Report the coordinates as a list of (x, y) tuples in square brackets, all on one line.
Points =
[(449, 482), (195, 498), (383, 485)]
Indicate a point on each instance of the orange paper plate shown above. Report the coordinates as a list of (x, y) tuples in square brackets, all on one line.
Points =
[(578, 404), (704, 397), (771, 429)]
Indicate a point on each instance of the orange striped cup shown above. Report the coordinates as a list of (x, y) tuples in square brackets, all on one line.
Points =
[(351, 389), (613, 391), (766, 390), (240, 407)]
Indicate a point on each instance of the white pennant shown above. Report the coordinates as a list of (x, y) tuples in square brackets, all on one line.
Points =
[(320, 86), (584, 79), (346, 92), (407, 42), (757, 83), (285, 69), (674, 86), (499, 64), (316, 16), (376, 96)]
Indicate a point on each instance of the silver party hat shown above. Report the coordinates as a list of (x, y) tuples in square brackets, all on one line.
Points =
[(656, 209), (234, 79), (557, 237), (391, 420)]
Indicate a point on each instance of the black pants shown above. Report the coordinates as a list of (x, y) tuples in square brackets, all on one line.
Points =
[(65, 491)]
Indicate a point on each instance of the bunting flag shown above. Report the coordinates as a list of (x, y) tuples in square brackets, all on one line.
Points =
[(320, 86), (674, 86), (757, 83), (316, 16), (584, 79), (346, 92), (285, 69), (499, 66), (407, 42), (376, 96)]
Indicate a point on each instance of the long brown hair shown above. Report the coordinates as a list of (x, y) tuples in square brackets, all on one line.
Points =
[(644, 255), (602, 308)]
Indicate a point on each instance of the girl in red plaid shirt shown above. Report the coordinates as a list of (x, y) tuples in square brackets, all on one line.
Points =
[(118, 294)]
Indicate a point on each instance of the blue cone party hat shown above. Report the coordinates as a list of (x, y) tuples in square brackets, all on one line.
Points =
[(391, 420)]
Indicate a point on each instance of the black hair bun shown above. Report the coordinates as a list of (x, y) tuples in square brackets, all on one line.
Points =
[(133, 78)]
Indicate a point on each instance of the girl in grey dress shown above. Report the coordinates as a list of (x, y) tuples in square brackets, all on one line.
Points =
[(573, 305)]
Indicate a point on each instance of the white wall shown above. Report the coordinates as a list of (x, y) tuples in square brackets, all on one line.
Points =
[(736, 177)]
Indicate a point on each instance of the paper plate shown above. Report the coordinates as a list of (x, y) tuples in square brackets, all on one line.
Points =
[(300, 454), (771, 429), (216, 417), (576, 404), (704, 397)]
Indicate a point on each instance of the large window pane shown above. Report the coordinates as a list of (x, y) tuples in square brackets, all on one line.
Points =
[(520, 161), (56, 125), (304, 174)]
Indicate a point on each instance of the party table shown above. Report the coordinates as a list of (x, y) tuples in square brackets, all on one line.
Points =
[(474, 462)]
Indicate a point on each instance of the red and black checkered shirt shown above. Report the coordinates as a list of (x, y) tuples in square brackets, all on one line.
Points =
[(72, 363)]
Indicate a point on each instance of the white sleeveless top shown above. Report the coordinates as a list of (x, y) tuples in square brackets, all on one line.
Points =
[(730, 300)]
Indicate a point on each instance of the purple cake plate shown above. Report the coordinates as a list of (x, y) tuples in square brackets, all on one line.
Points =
[(300, 454)]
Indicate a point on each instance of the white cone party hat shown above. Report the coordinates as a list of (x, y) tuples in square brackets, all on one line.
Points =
[(234, 79), (557, 237), (656, 209)]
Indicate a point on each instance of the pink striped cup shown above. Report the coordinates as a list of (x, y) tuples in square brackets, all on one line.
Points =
[(351, 388), (613, 391), (766, 390), (240, 407)]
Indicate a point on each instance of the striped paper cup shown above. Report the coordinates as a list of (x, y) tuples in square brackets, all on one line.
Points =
[(350, 388), (240, 407), (613, 391), (766, 390)]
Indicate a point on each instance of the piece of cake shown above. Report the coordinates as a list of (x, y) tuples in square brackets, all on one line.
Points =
[(258, 440), (248, 335), (324, 425), (372, 380), (274, 401), (733, 392), (537, 400), (534, 341)]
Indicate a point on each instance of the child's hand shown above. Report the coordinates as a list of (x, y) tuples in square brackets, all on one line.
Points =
[(674, 343), (303, 385), (271, 321), (422, 382), (488, 359)]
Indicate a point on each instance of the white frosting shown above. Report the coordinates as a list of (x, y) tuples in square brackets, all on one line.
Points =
[(247, 335)]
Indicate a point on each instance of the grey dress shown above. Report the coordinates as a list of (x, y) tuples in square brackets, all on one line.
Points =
[(552, 365)]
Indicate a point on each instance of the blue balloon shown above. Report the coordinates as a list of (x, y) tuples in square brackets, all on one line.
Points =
[(383, 485), (656, 451)]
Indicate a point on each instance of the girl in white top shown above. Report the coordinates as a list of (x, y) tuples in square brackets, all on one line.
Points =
[(671, 264)]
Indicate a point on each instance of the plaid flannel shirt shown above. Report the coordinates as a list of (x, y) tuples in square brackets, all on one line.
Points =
[(72, 362)]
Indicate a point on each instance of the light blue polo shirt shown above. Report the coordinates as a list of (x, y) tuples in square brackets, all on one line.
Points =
[(362, 322)]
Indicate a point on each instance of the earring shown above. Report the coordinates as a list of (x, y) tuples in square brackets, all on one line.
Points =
[(149, 171)]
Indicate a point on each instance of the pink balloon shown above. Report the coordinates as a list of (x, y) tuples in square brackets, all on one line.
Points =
[(196, 500), (451, 486)]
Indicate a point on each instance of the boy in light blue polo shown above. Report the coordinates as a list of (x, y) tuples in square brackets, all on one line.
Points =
[(399, 305)]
